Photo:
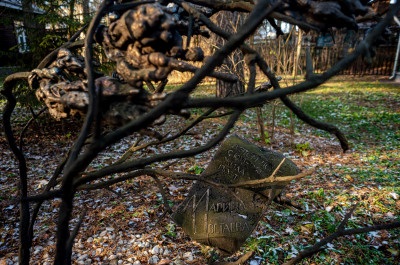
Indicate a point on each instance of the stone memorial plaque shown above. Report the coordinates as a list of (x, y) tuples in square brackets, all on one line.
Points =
[(226, 218)]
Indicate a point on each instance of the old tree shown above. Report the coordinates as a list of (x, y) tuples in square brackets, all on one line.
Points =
[(144, 40)]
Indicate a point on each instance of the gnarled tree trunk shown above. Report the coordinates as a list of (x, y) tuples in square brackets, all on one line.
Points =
[(234, 64)]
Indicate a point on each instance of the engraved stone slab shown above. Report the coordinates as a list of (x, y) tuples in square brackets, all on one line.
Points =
[(226, 218)]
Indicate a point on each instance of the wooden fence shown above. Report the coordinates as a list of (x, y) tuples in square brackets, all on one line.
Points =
[(324, 58), (281, 59)]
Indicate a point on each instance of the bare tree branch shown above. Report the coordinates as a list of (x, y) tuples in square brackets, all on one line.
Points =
[(261, 98), (262, 64), (51, 184), (34, 117), (251, 63), (79, 158), (162, 192), (244, 6), (186, 67), (70, 241), (53, 55), (44, 196), (317, 124), (271, 181), (71, 170), (346, 218), (140, 163), (340, 232), (25, 242), (204, 116)]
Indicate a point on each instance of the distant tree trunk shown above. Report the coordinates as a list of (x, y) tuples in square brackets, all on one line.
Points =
[(234, 64), (71, 26), (296, 64), (86, 11), (226, 89)]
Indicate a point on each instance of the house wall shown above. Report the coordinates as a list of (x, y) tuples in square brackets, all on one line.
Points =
[(8, 38), (9, 52)]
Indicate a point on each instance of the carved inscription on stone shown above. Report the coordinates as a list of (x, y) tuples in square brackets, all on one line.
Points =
[(226, 218)]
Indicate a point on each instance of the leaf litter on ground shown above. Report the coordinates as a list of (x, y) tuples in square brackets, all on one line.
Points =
[(128, 226)]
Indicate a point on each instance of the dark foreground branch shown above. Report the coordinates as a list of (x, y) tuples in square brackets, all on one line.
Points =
[(340, 232), (257, 99), (166, 139), (316, 123), (253, 57), (300, 113), (31, 120), (24, 240), (140, 163)]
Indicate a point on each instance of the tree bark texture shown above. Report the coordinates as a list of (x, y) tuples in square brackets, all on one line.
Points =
[(86, 11), (233, 64)]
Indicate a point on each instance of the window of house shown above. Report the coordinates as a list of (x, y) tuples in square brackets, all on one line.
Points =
[(21, 37)]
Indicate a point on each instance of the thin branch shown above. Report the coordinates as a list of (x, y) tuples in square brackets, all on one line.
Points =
[(34, 117), (51, 184), (277, 169), (316, 123), (150, 86), (299, 112), (346, 218), (44, 196), (129, 152), (77, 34), (190, 30), (279, 181), (245, 6), (162, 191), (53, 55), (161, 86), (204, 116), (140, 163), (278, 30), (70, 241), (340, 232), (111, 182), (186, 67), (270, 180), (261, 11)]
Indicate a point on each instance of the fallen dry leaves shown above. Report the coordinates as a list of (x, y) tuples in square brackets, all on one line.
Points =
[(127, 225)]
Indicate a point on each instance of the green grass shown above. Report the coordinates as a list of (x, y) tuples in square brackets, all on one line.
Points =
[(365, 111), (369, 114)]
